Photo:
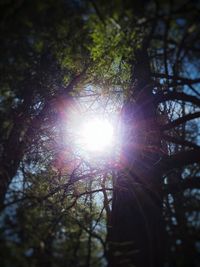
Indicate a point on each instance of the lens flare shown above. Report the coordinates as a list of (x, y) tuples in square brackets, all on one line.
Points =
[(96, 135)]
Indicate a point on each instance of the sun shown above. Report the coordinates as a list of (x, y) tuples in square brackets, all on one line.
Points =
[(96, 135), (90, 131)]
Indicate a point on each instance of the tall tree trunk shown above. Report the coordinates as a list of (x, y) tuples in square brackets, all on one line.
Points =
[(9, 162), (136, 230)]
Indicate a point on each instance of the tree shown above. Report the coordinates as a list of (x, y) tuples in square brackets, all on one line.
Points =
[(32, 36), (147, 50), (160, 62)]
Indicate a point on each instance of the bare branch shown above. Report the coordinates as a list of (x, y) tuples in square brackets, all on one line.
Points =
[(180, 142), (179, 121), (166, 96)]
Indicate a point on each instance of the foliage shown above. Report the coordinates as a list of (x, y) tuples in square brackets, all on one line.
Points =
[(54, 210)]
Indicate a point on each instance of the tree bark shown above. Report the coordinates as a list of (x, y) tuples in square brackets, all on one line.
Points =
[(136, 235)]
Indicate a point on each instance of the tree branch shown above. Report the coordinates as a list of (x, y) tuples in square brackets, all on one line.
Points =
[(180, 142), (179, 160), (179, 121), (177, 79), (76, 80), (95, 6), (164, 96), (188, 183)]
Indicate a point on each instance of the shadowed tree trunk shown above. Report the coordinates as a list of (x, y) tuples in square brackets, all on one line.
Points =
[(136, 231)]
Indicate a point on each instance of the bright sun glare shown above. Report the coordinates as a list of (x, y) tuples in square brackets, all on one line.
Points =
[(91, 127), (96, 135)]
